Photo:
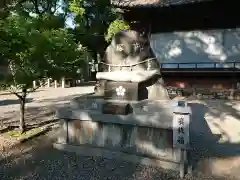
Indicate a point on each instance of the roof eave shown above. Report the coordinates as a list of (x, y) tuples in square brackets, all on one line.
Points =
[(130, 4)]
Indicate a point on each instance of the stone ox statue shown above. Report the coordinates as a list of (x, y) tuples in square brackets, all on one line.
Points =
[(130, 59)]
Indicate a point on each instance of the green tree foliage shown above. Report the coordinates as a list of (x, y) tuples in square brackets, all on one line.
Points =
[(6, 3), (115, 27), (40, 7), (30, 53), (92, 19)]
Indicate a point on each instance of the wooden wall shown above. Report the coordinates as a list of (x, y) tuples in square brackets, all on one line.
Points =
[(202, 83), (217, 14)]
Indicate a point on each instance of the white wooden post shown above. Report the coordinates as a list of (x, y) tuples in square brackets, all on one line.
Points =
[(34, 84), (55, 83), (41, 84), (181, 121), (63, 82), (48, 82)]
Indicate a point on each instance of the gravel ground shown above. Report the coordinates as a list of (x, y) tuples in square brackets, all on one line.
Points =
[(38, 160), (33, 162)]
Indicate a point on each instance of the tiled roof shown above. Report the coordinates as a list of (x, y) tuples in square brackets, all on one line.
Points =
[(152, 3)]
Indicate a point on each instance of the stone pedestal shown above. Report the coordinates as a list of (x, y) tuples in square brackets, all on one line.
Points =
[(144, 135), (130, 91)]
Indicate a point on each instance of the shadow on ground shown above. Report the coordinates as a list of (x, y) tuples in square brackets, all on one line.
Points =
[(29, 127), (90, 83), (38, 160), (63, 99), (13, 101), (209, 153), (5, 93), (37, 114)]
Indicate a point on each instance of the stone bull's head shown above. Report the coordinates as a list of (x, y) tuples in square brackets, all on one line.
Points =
[(130, 43), (129, 47)]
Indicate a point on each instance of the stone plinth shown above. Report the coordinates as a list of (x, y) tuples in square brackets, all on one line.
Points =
[(143, 136)]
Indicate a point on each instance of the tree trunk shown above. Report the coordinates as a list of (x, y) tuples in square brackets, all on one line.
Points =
[(22, 120), (22, 111)]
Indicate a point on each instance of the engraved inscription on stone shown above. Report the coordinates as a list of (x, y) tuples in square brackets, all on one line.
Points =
[(180, 130), (94, 105)]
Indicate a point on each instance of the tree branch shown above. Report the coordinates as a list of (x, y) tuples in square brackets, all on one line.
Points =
[(35, 4), (16, 94), (33, 89)]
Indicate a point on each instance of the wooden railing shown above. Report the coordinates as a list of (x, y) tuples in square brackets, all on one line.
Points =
[(204, 93), (232, 66), (201, 65)]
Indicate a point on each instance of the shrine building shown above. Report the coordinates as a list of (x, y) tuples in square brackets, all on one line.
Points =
[(197, 42)]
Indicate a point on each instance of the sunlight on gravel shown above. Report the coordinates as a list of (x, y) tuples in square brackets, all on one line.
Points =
[(41, 104)]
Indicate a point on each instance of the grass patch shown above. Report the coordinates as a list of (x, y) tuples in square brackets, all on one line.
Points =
[(17, 134)]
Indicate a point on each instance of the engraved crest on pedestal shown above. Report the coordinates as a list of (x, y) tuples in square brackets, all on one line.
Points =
[(94, 105), (120, 91)]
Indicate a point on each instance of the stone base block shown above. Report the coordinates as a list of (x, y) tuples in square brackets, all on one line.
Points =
[(144, 136), (142, 141), (99, 152)]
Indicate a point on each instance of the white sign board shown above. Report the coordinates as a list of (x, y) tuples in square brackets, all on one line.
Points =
[(181, 130)]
